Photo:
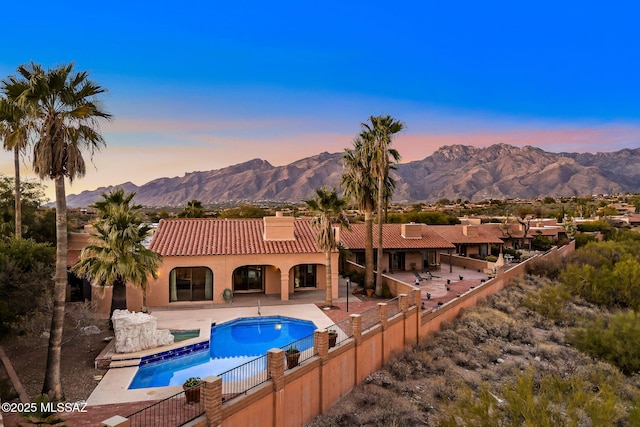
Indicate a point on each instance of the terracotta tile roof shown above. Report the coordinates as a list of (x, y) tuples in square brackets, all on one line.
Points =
[(455, 234), (634, 218), (354, 238), (193, 237), (515, 230), (545, 231)]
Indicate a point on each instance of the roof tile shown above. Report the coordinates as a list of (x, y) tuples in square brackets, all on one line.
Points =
[(200, 236)]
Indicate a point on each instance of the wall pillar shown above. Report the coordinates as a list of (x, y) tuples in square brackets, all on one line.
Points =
[(212, 390), (284, 285), (275, 369), (403, 303), (356, 327), (321, 343), (383, 311)]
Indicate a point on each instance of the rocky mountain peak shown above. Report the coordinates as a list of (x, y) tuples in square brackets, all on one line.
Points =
[(452, 171)]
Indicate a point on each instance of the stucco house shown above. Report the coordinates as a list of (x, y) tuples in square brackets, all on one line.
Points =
[(207, 260), (406, 247), (471, 238)]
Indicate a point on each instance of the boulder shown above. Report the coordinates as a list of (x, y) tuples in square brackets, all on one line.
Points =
[(137, 331)]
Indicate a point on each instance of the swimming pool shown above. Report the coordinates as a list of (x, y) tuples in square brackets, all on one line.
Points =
[(231, 344)]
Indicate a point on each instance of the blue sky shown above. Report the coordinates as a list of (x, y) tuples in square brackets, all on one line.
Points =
[(200, 85)]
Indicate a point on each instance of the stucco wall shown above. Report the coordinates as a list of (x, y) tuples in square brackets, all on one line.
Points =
[(223, 267)]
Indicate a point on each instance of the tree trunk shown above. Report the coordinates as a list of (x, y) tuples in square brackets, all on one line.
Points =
[(52, 383), (328, 295), (380, 222), (368, 251), (18, 196), (118, 297)]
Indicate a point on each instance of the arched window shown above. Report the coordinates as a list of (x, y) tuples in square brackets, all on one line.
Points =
[(190, 284)]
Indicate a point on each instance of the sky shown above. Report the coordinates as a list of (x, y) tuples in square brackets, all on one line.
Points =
[(201, 85)]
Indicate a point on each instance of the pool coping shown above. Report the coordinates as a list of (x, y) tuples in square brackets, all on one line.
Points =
[(113, 387)]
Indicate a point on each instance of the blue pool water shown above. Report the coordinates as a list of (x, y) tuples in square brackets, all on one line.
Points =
[(231, 344)]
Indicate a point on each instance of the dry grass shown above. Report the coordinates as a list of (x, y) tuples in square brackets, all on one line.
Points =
[(455, 377)]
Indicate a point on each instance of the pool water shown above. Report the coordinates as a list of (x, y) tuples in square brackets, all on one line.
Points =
[(231, 344)]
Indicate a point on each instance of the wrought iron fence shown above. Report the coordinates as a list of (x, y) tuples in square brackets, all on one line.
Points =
[(370, 318), (393, 307), (176, 410), (344, 330), (305, 349), (243, 378)]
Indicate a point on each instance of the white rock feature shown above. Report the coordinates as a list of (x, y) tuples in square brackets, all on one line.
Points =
[(137, 331)]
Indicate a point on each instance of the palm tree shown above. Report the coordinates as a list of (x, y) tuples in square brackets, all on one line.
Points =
[(14, 133), (193, 209), (329, 208), (360, 185), (117, 254), (65, 120), (380, 133)]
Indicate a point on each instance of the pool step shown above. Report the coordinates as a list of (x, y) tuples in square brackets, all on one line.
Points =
[(124, 363)]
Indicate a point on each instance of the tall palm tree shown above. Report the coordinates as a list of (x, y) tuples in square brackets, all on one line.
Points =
[(360, 185), (14, 133), (329, 209), (193, 209), (380, 133), (65, 119), (116, 254)]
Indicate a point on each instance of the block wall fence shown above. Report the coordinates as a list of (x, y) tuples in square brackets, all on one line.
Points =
[(293, 397)]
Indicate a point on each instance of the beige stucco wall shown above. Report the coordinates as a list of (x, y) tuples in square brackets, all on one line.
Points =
[(278, 277)]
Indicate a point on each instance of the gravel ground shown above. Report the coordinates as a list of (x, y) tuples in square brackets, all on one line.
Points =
[(79, 349)]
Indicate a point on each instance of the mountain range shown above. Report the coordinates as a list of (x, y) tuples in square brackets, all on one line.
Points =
[(456, 171)]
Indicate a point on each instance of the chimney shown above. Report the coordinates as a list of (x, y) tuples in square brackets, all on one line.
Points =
[(279, 227), (470, 230), (411, 231)]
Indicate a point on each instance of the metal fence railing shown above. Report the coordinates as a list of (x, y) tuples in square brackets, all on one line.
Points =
[(370, 318), (343, 329), (176, 410), (243, 378), (304, 347), (393, 307)]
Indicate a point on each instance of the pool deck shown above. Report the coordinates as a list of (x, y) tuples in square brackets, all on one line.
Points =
[(113, 388)]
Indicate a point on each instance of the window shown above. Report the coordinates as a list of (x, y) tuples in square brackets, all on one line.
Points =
[(249, 278), (190, 284), (396, 261), (304, 276)]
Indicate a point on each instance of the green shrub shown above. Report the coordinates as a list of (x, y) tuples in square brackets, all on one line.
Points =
[(544, 267), (549, 301), (616, 341), (386, 292), (356, 277), (26, 272)]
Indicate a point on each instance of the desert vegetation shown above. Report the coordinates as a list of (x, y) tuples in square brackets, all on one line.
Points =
[(559, 347)]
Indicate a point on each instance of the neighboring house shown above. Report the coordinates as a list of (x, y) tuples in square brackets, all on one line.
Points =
[(547, 228), (205, 260), (473, 239), (405, 246)]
